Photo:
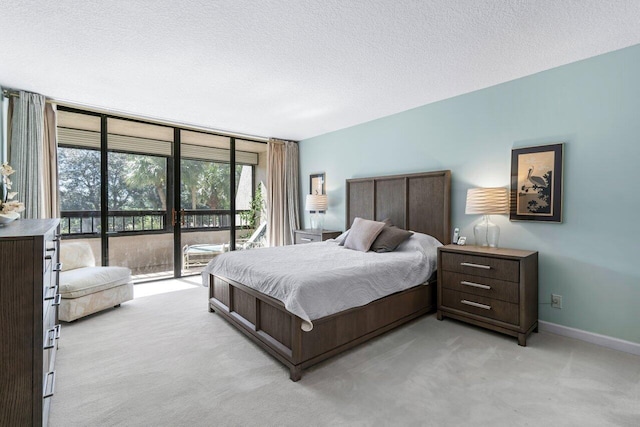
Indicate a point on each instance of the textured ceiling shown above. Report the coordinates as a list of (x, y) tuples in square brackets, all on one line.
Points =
[(294, 69)]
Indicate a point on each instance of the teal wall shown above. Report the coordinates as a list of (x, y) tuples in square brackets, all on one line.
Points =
[(592, 259)]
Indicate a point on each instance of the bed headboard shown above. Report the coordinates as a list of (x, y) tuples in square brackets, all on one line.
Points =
[(420, 201)]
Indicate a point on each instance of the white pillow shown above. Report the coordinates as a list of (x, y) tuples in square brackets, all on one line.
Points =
[(419, 241), (341, 238), (76, 255), (362, 234)]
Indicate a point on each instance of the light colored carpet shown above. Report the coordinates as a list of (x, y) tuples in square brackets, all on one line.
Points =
[(164, 360)]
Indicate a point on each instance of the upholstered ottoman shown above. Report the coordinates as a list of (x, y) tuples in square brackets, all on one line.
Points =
[(86, 289)]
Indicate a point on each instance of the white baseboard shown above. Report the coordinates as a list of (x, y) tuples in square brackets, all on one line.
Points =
[(603, 340)]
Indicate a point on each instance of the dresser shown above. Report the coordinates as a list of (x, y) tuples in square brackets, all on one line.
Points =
[(29, 299), (490, 287), (310, 235)]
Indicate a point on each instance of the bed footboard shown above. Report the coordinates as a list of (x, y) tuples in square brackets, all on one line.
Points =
[(266, 321)]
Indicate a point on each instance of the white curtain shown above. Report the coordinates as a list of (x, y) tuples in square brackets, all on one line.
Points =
[(50, 163), (32, 153), (282, 192), (4, 105)]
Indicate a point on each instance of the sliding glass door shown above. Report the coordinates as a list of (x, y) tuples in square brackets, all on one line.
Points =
[(205, 199), (80, 180), (160, 200), (139, 198)]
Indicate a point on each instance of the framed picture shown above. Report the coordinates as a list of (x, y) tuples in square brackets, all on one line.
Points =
[(316, 183), (536, 183)]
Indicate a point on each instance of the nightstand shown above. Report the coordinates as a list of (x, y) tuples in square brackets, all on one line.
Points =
[(493, 288), (310, 235)]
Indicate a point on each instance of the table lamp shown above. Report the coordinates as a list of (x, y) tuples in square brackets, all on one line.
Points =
[(487, 201), (316, 204)]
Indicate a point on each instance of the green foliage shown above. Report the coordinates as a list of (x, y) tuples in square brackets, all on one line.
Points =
[(139, 182), (251, 218), (79, 179), (146, 174)]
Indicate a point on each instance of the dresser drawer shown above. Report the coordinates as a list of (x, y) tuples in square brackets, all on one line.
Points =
[(49, 348), (49, 309), (48, 280), (307, 238), (481, 306), (50, 255), (51, 278), (496, 268), (482, 286)]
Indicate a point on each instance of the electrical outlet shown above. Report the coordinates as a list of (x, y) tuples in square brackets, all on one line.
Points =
[(556, 301)]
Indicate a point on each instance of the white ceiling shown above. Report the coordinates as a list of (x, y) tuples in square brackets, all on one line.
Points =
[(298, 68)]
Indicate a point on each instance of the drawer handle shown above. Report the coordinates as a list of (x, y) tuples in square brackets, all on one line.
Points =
[(58, 267), (51, 337), (469, 264), (51, 296), (51, 375), (58, 327), (306, 239), (475, 285), (57, 299), (476, 304), (53, 249)]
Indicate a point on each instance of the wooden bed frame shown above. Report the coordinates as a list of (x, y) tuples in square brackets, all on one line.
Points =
[(419, 202)]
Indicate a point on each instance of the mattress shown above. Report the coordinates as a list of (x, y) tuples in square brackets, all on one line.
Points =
[(315, 280)]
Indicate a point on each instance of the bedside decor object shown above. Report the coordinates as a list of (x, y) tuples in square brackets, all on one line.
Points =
[(536, 183), (496, 289), (316, 184), (9, 208), (487, 201), (316, 204), (9, 217)]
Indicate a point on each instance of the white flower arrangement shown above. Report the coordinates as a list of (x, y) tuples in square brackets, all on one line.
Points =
[(8, 207)]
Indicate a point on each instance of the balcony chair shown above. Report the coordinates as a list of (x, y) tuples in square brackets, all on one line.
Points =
[(86, 289), (200, 254), (256, 240)]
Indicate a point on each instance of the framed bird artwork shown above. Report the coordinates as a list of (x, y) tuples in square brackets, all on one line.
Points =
[(536, 183)]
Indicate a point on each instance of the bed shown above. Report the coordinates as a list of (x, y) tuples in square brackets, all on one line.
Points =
[(418, 202)]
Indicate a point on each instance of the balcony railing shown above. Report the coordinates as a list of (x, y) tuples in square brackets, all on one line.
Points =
[(87, 223)]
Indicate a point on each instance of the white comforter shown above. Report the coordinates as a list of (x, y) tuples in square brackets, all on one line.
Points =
[(319, 279)]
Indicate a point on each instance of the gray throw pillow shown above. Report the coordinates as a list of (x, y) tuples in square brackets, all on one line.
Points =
[(343, 237), (362, 234), (390, 238)]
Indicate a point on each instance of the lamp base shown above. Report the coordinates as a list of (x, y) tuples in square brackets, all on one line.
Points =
[(486, 233), (317, 220)]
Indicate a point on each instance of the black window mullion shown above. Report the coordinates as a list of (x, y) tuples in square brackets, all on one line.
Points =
[(177, 229), (232, 202), (104, 190)]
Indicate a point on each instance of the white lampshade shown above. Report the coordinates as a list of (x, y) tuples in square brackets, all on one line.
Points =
[(316, 202), (487, 201)]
